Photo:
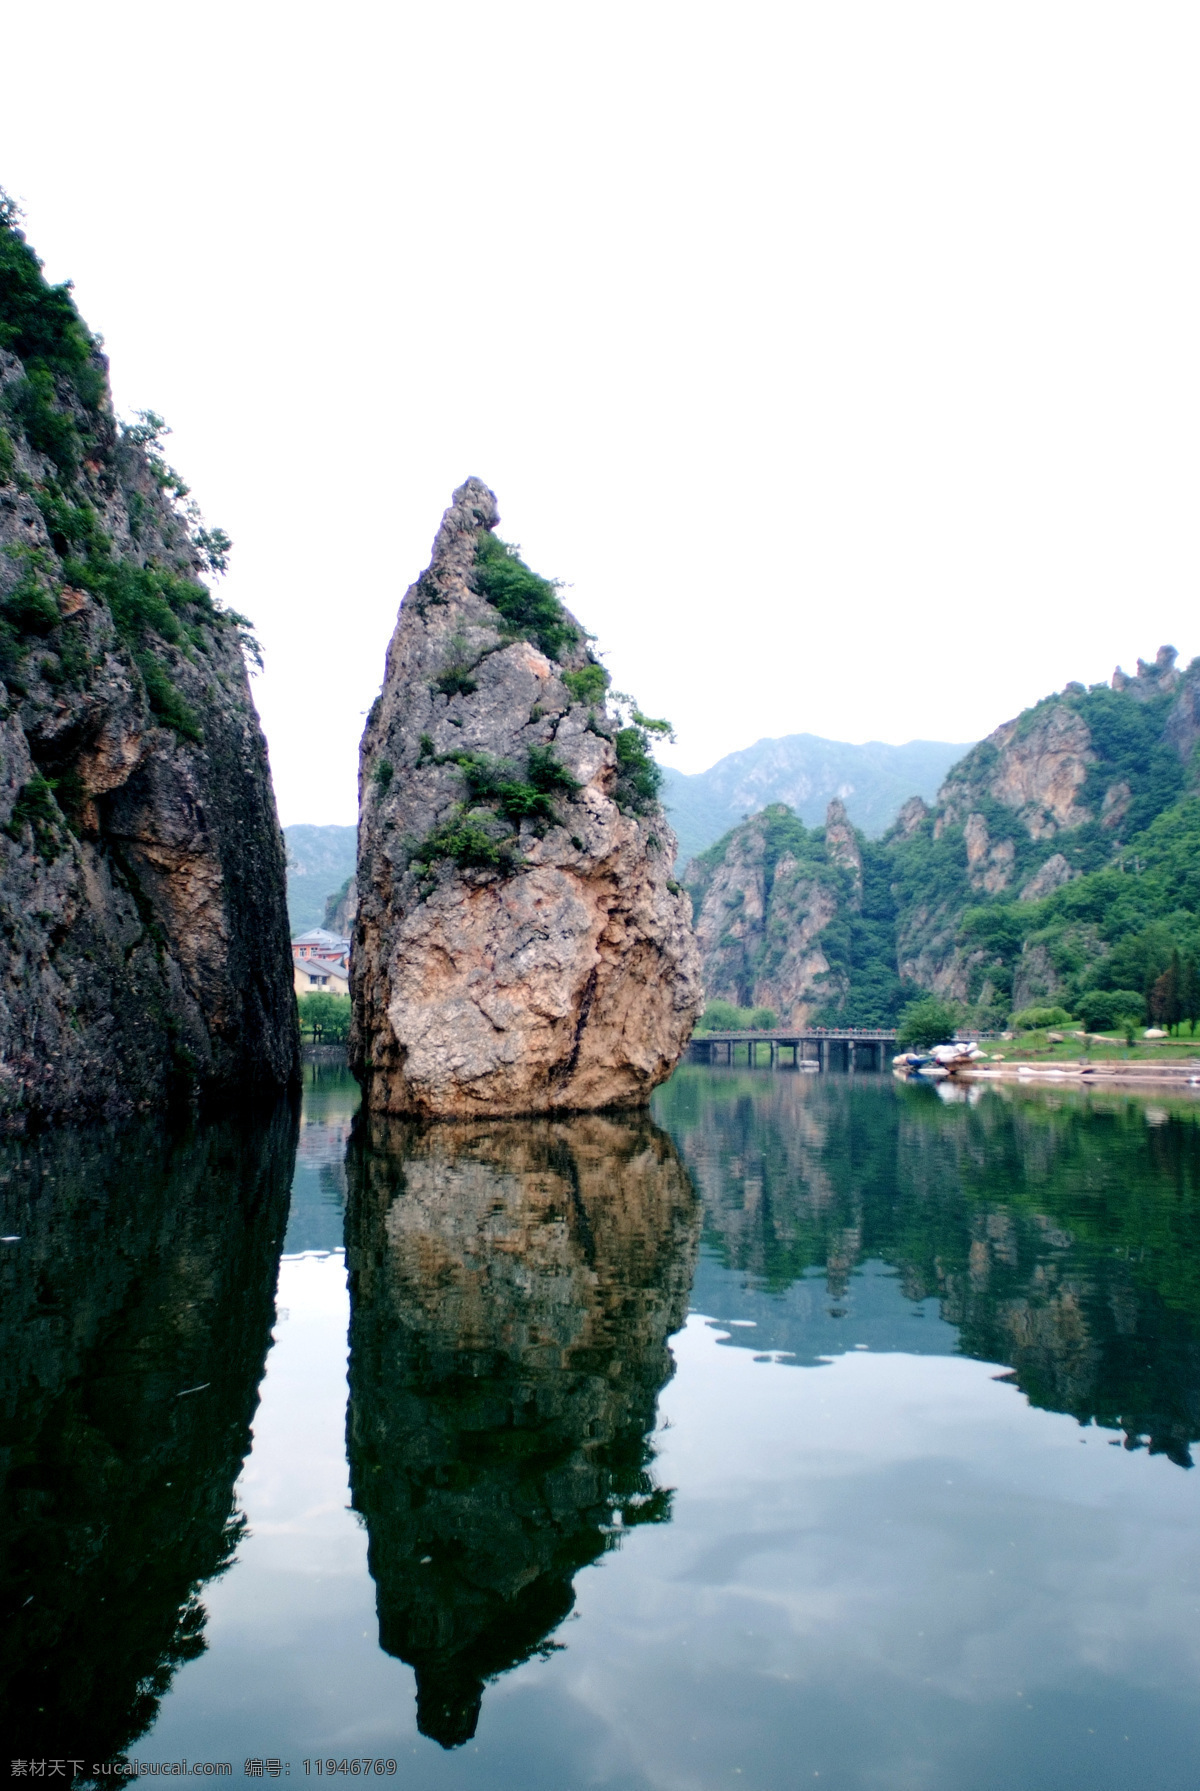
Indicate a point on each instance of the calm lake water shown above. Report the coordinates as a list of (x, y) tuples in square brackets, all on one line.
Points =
[(812, 1431)]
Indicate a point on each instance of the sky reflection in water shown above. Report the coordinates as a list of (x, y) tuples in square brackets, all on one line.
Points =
[(913, 1511)]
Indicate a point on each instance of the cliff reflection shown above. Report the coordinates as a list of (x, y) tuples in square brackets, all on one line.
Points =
[(135, 1314), (513, 1286), (1061, 1234)]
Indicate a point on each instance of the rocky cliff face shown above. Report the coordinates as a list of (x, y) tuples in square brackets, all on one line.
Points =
[(763, 898), (512, 1291), (341, 908), (519, 944), (141, 864), (1051, 796)]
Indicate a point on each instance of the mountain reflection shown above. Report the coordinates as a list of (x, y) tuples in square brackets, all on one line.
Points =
[(135, 1314), (1060, 1233), (513, 1285)]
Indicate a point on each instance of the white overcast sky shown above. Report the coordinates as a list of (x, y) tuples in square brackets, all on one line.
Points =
[(842, 357)]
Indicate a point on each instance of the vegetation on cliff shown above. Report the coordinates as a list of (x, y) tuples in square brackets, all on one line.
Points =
[(1114, 930), (528, 602), (53, 399)]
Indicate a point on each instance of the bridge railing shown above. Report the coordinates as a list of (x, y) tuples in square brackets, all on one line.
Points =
[(765, 1035)]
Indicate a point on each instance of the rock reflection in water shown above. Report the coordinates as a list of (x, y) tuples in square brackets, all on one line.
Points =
[(513, 1285), (135, 1313), (1060, 1233)]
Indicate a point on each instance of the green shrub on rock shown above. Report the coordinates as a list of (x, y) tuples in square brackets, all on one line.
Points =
[(639, 778), (471, 840), (528, 603), (588, 684)]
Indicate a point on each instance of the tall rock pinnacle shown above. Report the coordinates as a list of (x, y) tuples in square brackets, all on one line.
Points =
[(519, 946)]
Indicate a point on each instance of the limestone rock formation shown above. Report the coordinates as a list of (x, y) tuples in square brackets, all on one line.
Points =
[(512, 1289), (764, 897), (141, 864), (519, 945), (911, 814), (1037, 770), (841, 843), (1051, 876), (341, 908)]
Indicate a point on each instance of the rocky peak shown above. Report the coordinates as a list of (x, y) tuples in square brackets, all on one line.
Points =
[(1159, 679), (520, 946), (841, 843), (910, 817)]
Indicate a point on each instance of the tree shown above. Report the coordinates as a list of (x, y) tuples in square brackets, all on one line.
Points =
[(1166, 995), (724, 1016), (926, 1022), (1189, 999), (1107, 1010), (325, 1017)]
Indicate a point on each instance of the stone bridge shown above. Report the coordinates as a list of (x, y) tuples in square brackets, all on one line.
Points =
[(850, 1047)]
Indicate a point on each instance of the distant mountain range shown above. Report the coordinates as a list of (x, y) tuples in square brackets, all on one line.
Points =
[(802, 770), (806, 772), (319, 859)]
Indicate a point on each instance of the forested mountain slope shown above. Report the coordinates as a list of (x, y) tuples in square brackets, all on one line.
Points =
[(1062, 855), (320, 861)]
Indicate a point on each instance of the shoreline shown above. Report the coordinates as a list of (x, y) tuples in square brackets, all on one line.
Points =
[(1168, 1075)]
